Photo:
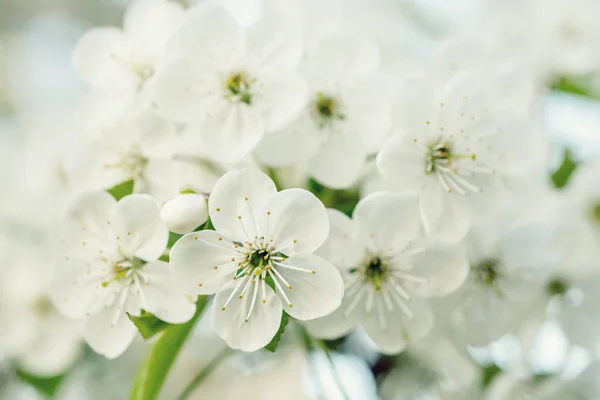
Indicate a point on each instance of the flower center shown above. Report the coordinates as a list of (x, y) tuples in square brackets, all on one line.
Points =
[(451, 167), (376, 272), (127, 271), (326, 110), (259, 263), (238, 87), (42, 306), (487, 272), (132, 164), (557, 286)]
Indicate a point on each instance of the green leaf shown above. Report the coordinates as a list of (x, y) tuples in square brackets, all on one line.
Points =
[(285, 320), (45, 385), (153, 372), (489, 373), (148, 324), (562, 175), (173, 238), (342, 200), (121, 190), (577, 86)]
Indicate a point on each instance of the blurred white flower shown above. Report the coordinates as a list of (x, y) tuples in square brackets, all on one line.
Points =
[(261, 235), (381, 260), (32, 332), (347, 116), (127, 58), (111, 268), (452, 144), (233, 85)]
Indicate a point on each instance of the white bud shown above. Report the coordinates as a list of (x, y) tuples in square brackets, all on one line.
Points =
[(185, 212)]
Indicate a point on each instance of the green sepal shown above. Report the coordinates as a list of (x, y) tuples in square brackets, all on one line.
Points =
[(121, 190), (148, 325), (561, 177), (285, 320), (43, 384)]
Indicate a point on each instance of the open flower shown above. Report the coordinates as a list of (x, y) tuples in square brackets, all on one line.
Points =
[(234, 85), (259, 260), (382, 261), (112, 57), (111, 268), (454, 141), (347, 115)]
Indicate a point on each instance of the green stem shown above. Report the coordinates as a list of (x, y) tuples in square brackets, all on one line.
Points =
[(206, 371), (272, 172), (153, 372)]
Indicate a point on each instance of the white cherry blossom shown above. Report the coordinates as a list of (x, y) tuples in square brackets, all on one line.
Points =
[(347, 116), (233, 85), (128, 58), (260, 235), (382, 262), (111, 268), (453, 141)]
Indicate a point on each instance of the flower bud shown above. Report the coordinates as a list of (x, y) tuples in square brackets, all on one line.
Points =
[(185, 213)]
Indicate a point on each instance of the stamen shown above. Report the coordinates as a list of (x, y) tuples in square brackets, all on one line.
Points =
[(233, 292), (282, 279), (279, 289), (253, 301), (380, 312), (409, 277), (293, 268), (440, 177), (359, 296), (119, 310), (402, 305)]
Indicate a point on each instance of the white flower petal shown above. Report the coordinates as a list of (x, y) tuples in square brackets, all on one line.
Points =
[(339, 162), (108, 336), (186, 91), (341, 248), (443, 219), (194, 258), (232, 131), (152, 21), (57, 346), (296, 221), (100, 54), (414, 106), (313, 295), (280, 97), (86, 220), (399, 330), (293, 144), (209, 34), (341, 58), (334, 325), (240, 193), (76, 294), (274, 42), (243, 332), (402, 161), (386, 221), (141, 232), (445, 267), (164, 297)]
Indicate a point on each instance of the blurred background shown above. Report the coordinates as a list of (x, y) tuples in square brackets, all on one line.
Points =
[(38, 93)]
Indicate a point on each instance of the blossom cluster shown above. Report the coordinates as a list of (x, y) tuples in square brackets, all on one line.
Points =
[(318, 175)]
